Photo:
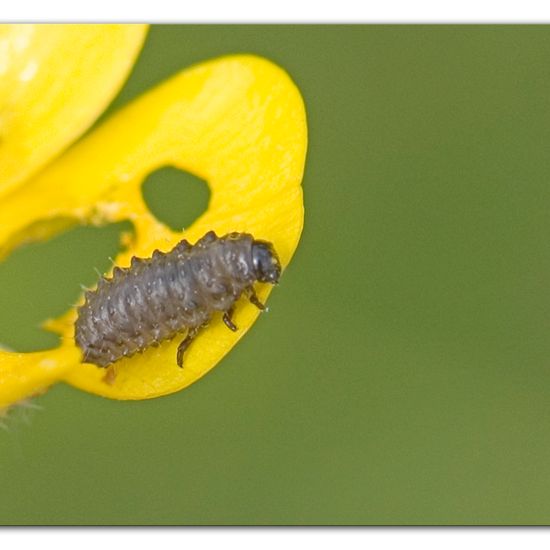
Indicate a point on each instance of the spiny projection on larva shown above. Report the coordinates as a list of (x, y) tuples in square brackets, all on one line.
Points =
[(158, 298)]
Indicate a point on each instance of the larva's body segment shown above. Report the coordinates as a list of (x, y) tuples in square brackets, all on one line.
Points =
[(157, 298)]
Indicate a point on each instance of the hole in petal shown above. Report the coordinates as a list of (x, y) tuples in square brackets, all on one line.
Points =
[(42, 280), (40, 230), (176, 198)]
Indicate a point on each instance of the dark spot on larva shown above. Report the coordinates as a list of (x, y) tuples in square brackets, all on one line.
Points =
[(159, 297)]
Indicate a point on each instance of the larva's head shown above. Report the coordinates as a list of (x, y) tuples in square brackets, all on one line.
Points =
[(267, 265)]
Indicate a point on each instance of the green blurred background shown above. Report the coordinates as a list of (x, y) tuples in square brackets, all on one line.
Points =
[(402, 375)]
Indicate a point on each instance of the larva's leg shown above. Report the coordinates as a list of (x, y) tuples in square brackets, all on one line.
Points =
[(254, 299), (110, 375), (227, 320), (186, 342)]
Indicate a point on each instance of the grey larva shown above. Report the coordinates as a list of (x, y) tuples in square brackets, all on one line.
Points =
[(157, 298)]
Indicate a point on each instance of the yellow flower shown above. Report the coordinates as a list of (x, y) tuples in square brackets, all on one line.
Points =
[(237, 122)]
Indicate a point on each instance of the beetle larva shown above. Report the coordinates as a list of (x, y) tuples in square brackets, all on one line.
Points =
[(157, 298)]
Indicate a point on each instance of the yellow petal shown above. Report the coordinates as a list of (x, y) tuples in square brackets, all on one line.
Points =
[(26, 374), (55, 80), (237, 122)]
